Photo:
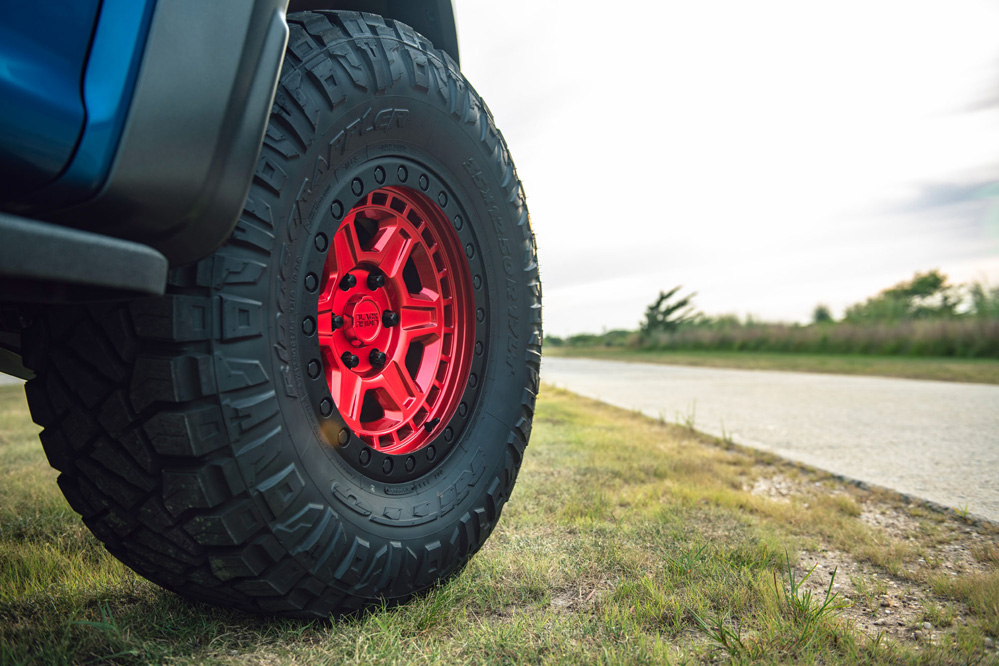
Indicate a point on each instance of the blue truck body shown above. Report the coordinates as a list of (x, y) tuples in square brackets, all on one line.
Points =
[(67, 71), (129, 133)]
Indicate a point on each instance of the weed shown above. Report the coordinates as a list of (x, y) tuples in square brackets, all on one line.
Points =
[(939, 616), (686, 561), (106, 623), (688, 419), (878, 648), (978, 590), (986, 553), (871, 590), (722, 636), (726, 437), (806, 612), (963, 512), (800, 619)]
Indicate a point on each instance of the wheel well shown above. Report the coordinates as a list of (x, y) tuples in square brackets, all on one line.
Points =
[(434, 19)]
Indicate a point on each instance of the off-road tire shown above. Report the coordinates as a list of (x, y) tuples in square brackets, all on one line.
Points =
[(192, 432)]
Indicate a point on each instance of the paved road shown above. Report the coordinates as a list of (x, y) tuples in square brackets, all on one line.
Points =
[(934, 440)]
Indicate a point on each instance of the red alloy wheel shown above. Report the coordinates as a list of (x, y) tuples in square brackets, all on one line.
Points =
[(396, 321)]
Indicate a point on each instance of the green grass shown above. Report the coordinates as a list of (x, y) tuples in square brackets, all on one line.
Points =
[(983, 371), (626, 541)]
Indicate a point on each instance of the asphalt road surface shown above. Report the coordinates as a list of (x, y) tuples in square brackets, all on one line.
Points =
[(934, 440)]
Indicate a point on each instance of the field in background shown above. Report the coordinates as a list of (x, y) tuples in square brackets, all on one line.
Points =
[(982, 371), (939, 338), (625, 541)]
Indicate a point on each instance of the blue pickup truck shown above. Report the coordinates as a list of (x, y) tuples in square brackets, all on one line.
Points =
[(269, 274)]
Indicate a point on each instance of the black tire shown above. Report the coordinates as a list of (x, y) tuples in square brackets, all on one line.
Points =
[(189, 430)]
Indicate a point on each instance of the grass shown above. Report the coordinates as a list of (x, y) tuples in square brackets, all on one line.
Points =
[(799, 619), (626, 541), (982, 371)]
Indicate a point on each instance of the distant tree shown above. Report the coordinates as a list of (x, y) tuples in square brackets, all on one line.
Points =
[(984, 300), (584, 340), (617, 337), (665, 315), (821, 314), (722, 322), (926, 295)]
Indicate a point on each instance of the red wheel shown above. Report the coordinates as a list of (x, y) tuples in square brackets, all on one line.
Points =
[(395, 320)]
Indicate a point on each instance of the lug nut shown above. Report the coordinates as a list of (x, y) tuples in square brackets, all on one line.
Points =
[(377, 358), (390, 319), (376, 279), (348, 282), (336, 322), (350, 360)]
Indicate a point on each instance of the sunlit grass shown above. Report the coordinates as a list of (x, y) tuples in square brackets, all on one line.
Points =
[(620, 533), (978, 590)]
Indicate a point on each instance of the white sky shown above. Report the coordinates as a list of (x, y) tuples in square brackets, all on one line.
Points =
[(768, 155)]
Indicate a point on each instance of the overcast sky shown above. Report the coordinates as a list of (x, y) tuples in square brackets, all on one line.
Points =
[(767, 155)]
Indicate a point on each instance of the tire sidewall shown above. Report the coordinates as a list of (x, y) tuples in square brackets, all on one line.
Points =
[(421, 131)]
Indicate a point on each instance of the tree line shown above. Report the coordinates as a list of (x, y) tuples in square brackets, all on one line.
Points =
[(923, 316)]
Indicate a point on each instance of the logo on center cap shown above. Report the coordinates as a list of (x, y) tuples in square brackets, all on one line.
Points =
[(365, 321)]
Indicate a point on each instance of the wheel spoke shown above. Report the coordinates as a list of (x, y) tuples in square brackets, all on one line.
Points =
[(393, 250), (417, 317), (325, 327), (420, 318), (346, 248), (326, 300), (398, 387), (427, 297), (349, 389)]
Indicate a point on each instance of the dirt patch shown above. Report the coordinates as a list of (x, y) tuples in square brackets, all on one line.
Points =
[(893, 521), (782, 488), (879, 602), (946, 541), (955, 547), (778, 488), (574, 599), (902, 607)]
